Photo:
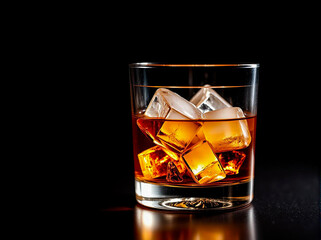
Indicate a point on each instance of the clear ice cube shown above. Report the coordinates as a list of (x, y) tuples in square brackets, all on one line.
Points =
[(165, 100), (207, 99), (226, 135), (203, 164), (154, 162), (174, 133)]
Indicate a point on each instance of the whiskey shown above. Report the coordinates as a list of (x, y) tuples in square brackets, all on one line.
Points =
[(193, 152)]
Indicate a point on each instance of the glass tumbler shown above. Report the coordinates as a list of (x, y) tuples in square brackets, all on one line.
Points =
[(194, 131)]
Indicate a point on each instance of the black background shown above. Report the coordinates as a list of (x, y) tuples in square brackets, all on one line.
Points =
[(287, 174)]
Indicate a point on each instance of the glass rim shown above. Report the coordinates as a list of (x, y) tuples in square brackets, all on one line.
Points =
[(196, 65)]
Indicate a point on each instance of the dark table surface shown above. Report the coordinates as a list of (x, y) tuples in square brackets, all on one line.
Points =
[(285, 206)]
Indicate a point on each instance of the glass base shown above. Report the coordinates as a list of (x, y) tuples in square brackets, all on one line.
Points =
[(184, 198)]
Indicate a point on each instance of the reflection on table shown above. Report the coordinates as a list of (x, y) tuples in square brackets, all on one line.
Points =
[(154, 224)]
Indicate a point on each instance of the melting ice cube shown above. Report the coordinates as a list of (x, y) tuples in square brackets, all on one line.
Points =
[(207, 99), (174, 133), (232, 161), (226, 135), (203, 163), (173, 174), (153, 162)]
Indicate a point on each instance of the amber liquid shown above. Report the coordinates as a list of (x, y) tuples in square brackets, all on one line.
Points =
[(142, 142)]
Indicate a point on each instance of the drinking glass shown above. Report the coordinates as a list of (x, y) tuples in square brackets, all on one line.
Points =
[(194, 129)]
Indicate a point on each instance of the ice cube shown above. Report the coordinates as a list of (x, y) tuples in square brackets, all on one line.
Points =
[(232, 161), (203, 164), (157, 107), (199, 137), (153, 162), (177, 135), (226, 133), (207, 99), (164, 100), (173, 174), (174, 133)]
